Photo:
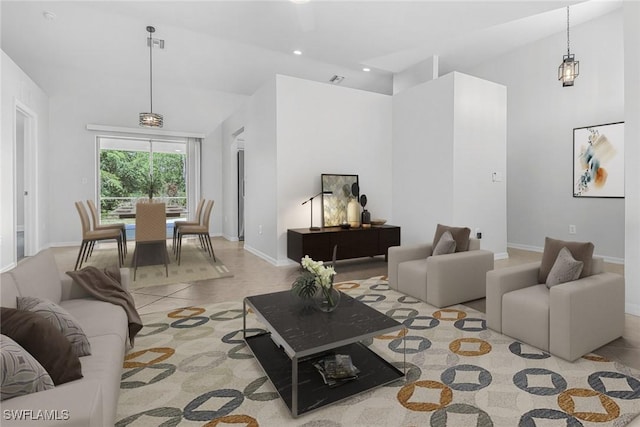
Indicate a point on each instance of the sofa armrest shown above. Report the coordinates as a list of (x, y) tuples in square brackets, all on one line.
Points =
[(71, 290), (585, 314), (457, 277), (504, 280), (398, 254)]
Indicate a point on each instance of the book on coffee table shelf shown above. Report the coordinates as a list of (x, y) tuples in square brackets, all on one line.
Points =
[(336, 369)]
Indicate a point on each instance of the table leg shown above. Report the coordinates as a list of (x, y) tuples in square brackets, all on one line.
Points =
[(294, 386), (244, 319)]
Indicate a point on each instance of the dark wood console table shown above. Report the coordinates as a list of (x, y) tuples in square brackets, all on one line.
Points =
[(352, 242)]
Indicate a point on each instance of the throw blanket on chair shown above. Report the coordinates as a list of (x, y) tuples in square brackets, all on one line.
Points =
[(105, 286)]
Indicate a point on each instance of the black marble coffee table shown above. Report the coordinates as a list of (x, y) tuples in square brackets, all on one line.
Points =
[(296, 335)]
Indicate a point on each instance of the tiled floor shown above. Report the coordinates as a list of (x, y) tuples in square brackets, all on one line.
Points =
[(252, 276)]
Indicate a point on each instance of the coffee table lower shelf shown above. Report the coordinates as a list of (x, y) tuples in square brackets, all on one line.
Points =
[(312, 392)]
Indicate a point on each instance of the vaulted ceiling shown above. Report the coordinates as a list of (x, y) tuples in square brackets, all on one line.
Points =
[(235, 46)]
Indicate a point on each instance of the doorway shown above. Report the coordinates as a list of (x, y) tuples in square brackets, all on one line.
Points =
[(24, 182), (241, 194)]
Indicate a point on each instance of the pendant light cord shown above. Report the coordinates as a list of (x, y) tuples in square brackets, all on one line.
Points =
[(151, 69), (568, 50)]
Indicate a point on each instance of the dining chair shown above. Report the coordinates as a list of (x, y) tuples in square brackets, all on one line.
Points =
[(202, 231), (90, 237), (97, 225), (195, 221), (151, 231)]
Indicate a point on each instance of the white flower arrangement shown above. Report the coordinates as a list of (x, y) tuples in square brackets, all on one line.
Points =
[(316, 277)]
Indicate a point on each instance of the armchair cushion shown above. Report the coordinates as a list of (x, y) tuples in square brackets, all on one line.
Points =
[(446, 244), (460, 235), (581, 251), (565, 269)]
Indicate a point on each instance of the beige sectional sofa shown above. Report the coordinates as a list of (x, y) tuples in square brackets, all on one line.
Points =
[(92, 400)]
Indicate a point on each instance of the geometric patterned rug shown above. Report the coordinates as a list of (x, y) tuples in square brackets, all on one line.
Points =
[(190, 367)]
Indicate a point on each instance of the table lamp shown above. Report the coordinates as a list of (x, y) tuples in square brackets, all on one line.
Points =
[(312, 228)]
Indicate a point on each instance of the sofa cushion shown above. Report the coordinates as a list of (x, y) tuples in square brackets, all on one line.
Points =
[(59, 317), (446, 244), (91, 314), (38, 276), (460, 235), (9, 291), (43, 341), (581, 251), (565, 269), (21, 373)]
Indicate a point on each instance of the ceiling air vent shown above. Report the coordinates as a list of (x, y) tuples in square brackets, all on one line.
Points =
[(336, 79)]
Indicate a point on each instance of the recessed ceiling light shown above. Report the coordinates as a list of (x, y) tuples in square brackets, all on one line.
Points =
[(297, 52), (299, 1), (366, 70), (49, 16)]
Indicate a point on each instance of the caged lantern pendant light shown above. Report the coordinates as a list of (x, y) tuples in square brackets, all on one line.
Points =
[(569, 69), (151, 119)]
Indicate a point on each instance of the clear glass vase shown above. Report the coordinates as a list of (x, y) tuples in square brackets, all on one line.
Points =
[(326, 299)]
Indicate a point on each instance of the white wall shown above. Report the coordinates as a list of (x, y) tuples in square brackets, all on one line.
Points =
[(117, 103), (541, 117), (17, 86), (449, 136), (211, 178), (261, 182), (323, 128), (480, 150), (632, 154), (423, 159)]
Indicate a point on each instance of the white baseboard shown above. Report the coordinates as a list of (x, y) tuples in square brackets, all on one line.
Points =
[(633, 309), (262, 255), (231, 238), (501, 255), (609, 259), (525, 247)]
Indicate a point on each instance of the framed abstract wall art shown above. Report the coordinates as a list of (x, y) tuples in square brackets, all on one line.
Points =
[(598, 161), (338, 191)]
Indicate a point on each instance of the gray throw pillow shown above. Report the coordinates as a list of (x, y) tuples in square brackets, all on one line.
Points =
[(446, 244), (460, 235), (21, 372), (581, 251), (565, 269), (61, 319)]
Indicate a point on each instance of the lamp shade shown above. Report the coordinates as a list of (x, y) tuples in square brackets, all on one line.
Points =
[(151, 120), (568, 70)]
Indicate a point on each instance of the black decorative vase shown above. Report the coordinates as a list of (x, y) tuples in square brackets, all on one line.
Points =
[(365, 217)]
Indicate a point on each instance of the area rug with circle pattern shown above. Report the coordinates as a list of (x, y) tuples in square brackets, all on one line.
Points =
[(191, 367)]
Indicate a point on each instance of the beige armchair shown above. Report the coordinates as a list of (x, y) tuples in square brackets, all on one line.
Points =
[(441, 280), (568, 320)]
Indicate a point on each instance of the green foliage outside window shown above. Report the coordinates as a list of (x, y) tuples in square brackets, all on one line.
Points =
[(126, 174)]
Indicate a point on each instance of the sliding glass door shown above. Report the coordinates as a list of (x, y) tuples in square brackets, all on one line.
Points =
[(132, 168)]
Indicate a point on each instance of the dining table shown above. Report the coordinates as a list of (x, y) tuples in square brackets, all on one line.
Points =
[(124, 212)]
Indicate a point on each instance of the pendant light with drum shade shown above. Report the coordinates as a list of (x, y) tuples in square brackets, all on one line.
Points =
[(151, 119), (570, 68)]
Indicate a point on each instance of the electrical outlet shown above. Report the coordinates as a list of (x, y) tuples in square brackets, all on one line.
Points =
[(572, 229)]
